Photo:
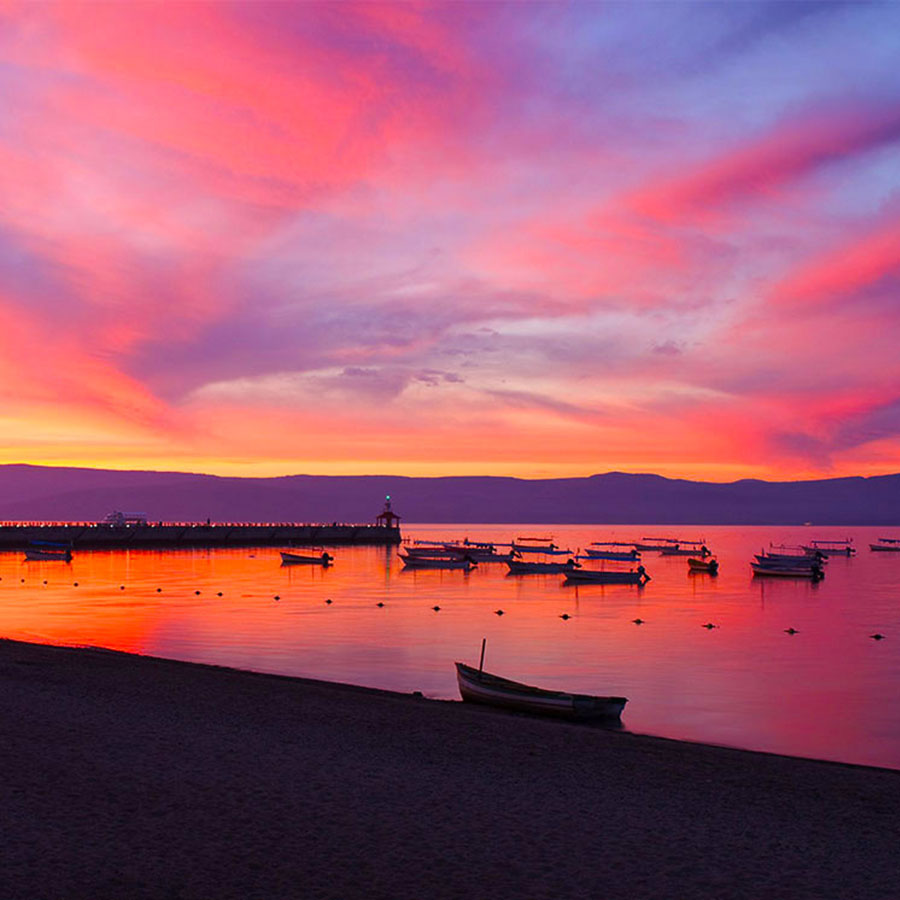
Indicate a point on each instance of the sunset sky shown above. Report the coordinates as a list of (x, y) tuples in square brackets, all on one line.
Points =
[(513, 239)]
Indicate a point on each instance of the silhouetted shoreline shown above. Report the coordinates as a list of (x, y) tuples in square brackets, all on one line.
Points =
[(131, 776)]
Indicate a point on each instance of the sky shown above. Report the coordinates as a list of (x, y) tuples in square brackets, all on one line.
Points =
[(528, 239)]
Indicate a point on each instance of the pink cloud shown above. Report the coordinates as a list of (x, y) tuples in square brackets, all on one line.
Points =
[(770, 167)]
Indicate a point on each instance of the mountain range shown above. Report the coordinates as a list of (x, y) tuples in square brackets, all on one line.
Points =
[(71, 494)]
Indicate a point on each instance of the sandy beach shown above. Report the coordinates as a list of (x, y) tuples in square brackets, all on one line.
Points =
[(135, 777)]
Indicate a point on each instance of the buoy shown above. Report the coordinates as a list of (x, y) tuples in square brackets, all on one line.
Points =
[(877, 637), (638, 621), (498, 612), (790, 631), (219, 594), (196, 592), (45, 581), (565, 616), (159, 590), (121, 587), (379, 603), (277, 596), (436, 608), (75, 584), (328, 600), (709, 625)]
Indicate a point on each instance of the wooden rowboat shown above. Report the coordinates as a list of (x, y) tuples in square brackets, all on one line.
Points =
[(482, 687), (299, 559), (710, 566)]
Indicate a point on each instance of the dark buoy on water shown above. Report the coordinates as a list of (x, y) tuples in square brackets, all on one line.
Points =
[(565, 616), (790, 631), (379, 604), (877, 637), (638, 621), (436, 608), (498, 612), (329, 600), (708, 626), (196, 592)]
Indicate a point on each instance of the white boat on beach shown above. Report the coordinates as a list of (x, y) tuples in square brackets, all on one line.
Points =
[(477, 686), (300, 559)]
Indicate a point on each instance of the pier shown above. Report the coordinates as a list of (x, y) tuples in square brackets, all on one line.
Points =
[(165, 535)]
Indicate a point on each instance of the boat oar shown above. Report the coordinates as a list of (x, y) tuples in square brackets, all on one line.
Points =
[(481, 664)]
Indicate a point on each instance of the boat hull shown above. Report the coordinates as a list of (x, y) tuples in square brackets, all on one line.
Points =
[(520, 567), (430, 562), (492, 690), (710, 566), (885, 548), (588, 576), (63, 556), (618, 556), (787, 572), (298, 559)]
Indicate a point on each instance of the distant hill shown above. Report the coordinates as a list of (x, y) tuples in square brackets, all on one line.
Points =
[(36, 492)]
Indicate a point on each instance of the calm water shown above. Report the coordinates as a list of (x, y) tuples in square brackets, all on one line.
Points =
[(829, 691)]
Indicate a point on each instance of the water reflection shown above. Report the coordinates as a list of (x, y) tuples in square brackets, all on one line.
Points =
[(825, 691)]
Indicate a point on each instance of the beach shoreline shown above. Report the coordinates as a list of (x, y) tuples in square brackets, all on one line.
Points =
[(136, 776)]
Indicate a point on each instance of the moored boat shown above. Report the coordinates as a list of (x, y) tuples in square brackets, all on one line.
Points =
[(437, 562), (888, 545), (786, 560), (710, 566), (831, 548), (535, 567), (48, 550), (616, 555), (300, 559), (477, 686), (637, 576), (678, 550), (814, 573)]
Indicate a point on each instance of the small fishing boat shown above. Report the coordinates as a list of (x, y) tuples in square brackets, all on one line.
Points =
[(437, 562), (537, 545), (637, 576), (654, 544), (616, 555), (477, 686), (814, 573), (710, 566), (831, 548), (300, 559), (785, 560), (529, 567), (48, 550), (889, 545)]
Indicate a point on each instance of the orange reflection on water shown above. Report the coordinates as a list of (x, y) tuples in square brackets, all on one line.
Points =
[(820, 692)]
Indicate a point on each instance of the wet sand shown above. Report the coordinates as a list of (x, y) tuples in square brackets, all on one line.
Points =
[(133, 777)]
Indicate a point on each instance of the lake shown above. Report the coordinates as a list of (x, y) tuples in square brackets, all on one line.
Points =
[(829, 691)]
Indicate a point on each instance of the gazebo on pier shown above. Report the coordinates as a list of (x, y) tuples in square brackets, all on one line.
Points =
[(387, 518)]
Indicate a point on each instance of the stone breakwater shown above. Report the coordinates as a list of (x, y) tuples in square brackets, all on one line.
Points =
[(101, 536)]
